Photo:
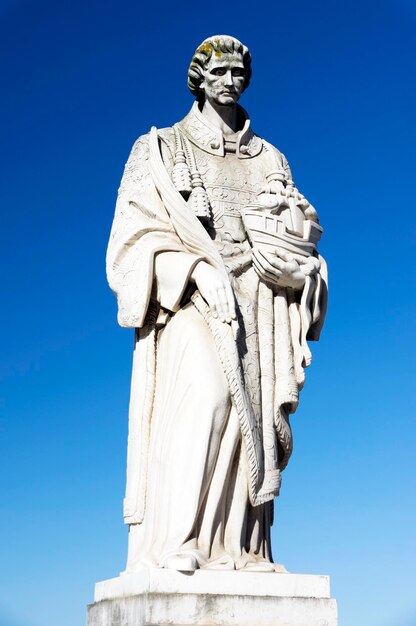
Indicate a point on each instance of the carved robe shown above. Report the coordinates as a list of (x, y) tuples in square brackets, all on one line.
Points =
[(209, 412)]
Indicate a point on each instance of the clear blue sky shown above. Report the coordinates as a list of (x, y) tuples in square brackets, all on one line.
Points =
[(334, 88)]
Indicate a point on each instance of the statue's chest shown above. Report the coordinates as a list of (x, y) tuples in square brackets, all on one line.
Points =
[(231, 184)]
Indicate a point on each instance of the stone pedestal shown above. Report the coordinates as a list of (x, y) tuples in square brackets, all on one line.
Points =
[(213, 598)]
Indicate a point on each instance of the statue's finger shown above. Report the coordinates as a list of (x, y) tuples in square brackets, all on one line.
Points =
[(213, 305), (263, 262), (258, 267), (264, 256), (286, 256), (223, 301), (219, 308), (227, 310), (231, 301), (278, 263), (265, 267), (271, 278)]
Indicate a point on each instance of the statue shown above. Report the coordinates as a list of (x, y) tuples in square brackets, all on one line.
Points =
[(213, 259)]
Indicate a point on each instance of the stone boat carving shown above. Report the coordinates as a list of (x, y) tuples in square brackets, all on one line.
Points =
[(284, 228)]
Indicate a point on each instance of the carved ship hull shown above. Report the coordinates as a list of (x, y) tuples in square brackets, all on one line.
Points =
[(269, 232)]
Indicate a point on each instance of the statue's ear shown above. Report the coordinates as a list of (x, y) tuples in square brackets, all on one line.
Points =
[(202, 83)]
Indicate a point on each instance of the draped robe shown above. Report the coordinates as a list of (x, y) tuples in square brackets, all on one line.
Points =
[(209, 428)]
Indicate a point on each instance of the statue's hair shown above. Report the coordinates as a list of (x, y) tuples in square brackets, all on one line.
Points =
[(215, 45)]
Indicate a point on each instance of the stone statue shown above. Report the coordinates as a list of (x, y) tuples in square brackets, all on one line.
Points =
[(213, 259)]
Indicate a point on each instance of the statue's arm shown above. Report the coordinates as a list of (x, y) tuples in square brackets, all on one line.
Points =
[(145, 257), (286, 167), (308, 279), (314, 298)]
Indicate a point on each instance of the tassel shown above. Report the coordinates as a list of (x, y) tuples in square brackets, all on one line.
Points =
[(181, 176), (198, 200)]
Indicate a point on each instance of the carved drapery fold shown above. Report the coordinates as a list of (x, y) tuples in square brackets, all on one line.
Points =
[(153, 218)]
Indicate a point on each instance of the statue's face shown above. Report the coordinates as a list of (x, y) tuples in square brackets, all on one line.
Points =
[(223, 78)]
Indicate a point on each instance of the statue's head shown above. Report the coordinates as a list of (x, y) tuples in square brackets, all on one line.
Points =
[(220, 70)]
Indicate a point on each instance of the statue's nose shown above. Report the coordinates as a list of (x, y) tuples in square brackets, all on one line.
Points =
[(228, 78)]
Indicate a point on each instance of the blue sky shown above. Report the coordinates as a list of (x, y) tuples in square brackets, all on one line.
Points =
[(333, 87)]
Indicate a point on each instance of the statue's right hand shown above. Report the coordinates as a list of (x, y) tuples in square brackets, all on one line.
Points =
[(216, 291)]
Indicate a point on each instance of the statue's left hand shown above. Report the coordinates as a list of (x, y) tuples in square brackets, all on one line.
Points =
[(280, 269)]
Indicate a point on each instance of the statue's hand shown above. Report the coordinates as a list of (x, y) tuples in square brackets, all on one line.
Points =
[(293, 193), (216, 291), (280, 269)]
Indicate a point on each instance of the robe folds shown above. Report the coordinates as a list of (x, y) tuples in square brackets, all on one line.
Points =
[(209, 428)]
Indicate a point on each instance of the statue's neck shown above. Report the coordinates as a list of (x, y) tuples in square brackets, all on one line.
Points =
[(223, 117)]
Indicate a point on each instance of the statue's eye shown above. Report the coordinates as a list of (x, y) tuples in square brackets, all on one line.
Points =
[(218, 71), (237, 71)]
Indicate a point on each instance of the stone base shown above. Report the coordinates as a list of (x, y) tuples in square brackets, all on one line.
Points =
[(212, 598)]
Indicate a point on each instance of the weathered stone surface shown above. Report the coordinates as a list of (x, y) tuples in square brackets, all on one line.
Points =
[(213, 582), (213, 258), (213, 599)]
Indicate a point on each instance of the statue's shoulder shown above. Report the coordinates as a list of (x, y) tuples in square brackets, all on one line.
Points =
[(166, 137), (269, 147), (137, 167), (167, 144), (140, 149)]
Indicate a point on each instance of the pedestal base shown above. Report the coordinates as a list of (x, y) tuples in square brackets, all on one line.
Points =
[(212, 598)]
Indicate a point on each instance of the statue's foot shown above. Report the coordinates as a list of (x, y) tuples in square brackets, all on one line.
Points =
[(279, 568), (181, 563), (259, 566), (224, 562)]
